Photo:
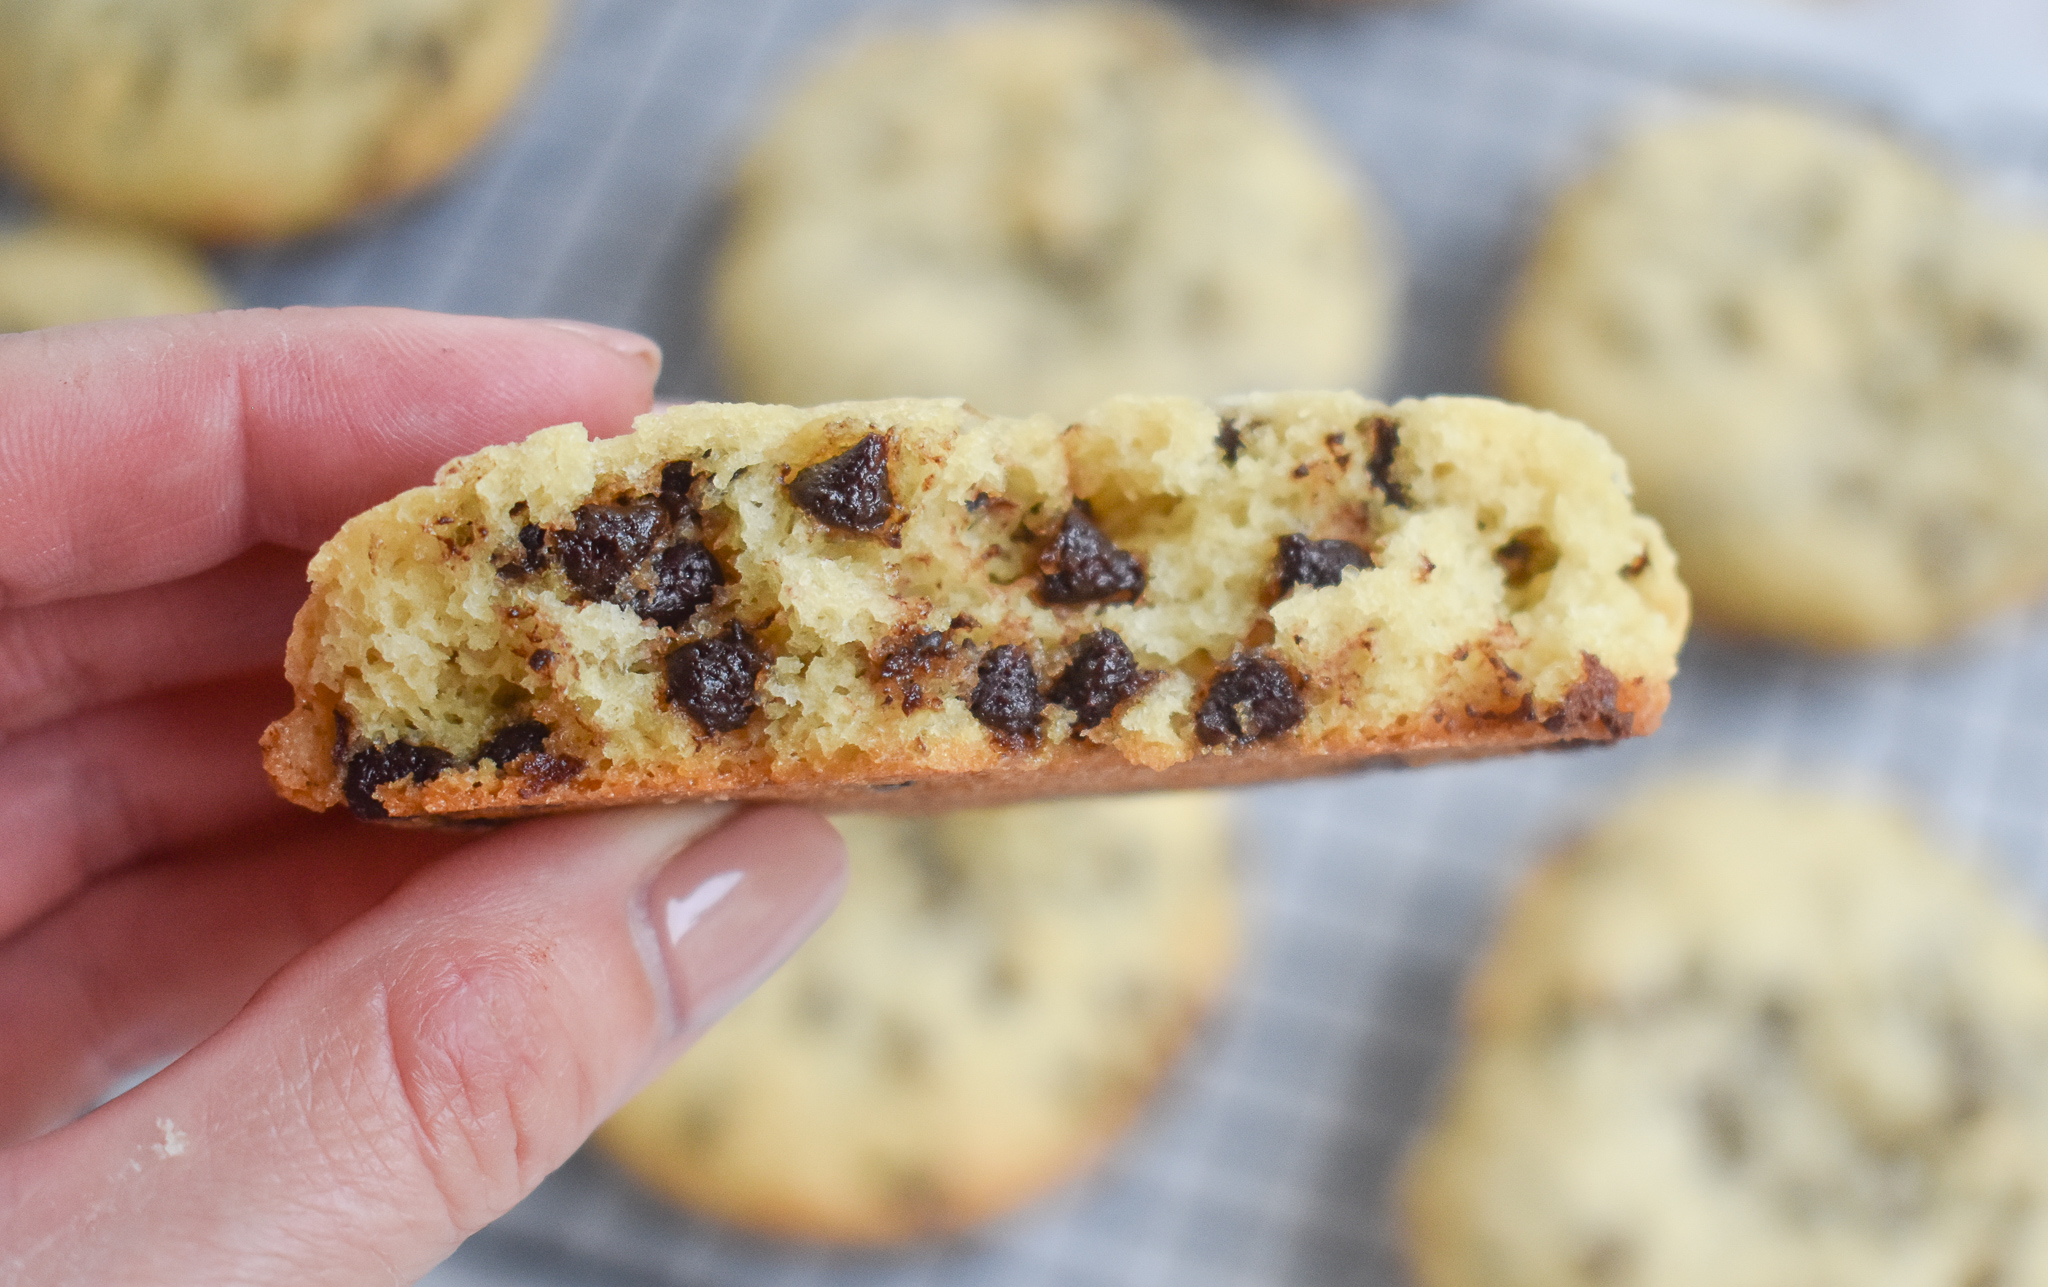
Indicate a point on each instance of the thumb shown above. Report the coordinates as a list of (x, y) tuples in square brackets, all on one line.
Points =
[(412, 1077)]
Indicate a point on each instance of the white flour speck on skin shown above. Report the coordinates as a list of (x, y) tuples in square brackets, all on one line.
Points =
[(175, 1140)]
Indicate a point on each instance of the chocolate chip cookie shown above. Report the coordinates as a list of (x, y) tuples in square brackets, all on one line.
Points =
[(1746, 1035), (235, 119), (1042, 207), (1826, 364), (63, 271), (891, 604), (998, 994)]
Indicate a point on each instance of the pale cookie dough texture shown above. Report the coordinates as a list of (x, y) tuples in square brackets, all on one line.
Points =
[(1826, 365), (1744, 1037), (1039, 209), (57, 273), (235, 119), (996, 997), (889, 603)]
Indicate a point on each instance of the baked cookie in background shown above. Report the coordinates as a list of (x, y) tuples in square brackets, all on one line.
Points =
[(237, 119), (996, 997), (59, 272), (1826, 364), (907, 605), (1039, 208), (1745, 1036)]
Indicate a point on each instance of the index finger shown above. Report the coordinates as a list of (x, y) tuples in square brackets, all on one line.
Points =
[(137, 452)]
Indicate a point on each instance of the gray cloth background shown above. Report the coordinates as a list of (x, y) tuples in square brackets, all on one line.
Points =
[(1268, 1158)]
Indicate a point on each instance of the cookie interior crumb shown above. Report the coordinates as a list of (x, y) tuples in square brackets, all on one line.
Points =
[(867, 592)]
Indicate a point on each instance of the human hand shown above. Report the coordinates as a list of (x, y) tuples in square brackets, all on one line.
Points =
[(386, 1038)]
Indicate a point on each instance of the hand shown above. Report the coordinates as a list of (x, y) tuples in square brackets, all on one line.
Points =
[(383, 1038)]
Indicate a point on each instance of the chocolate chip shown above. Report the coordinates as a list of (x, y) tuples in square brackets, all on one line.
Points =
[(1229, 441), (685, 578), (1100, 676), (676, 480), (1081, 565), (1385, 434), (545, 769), (906, 663), (376, 766), (608, 541), (1006, 696), (1317, 563), (531, 557), (1249, 699), (1636, 566), (513, 741), (1527, 555), (541, 659), (1590, 711), (851, 490), (713, 679)]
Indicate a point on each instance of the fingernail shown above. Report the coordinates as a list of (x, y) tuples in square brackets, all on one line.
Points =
[(730, 908), (630, 344)]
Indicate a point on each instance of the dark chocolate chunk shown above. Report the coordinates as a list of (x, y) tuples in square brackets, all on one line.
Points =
[(1229, 441), (1527, 555), (376, 766), (713, 679), (1081, 565), (608, 541), (1249, 699), (531, 557), (545, 769), (906, 663), (1385, 434), (1006, 696), (1590, 711), (541, 659), (849, 491), (676, 480), (513, 741), (1100, 675), (1317, 563), (685, 577)]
